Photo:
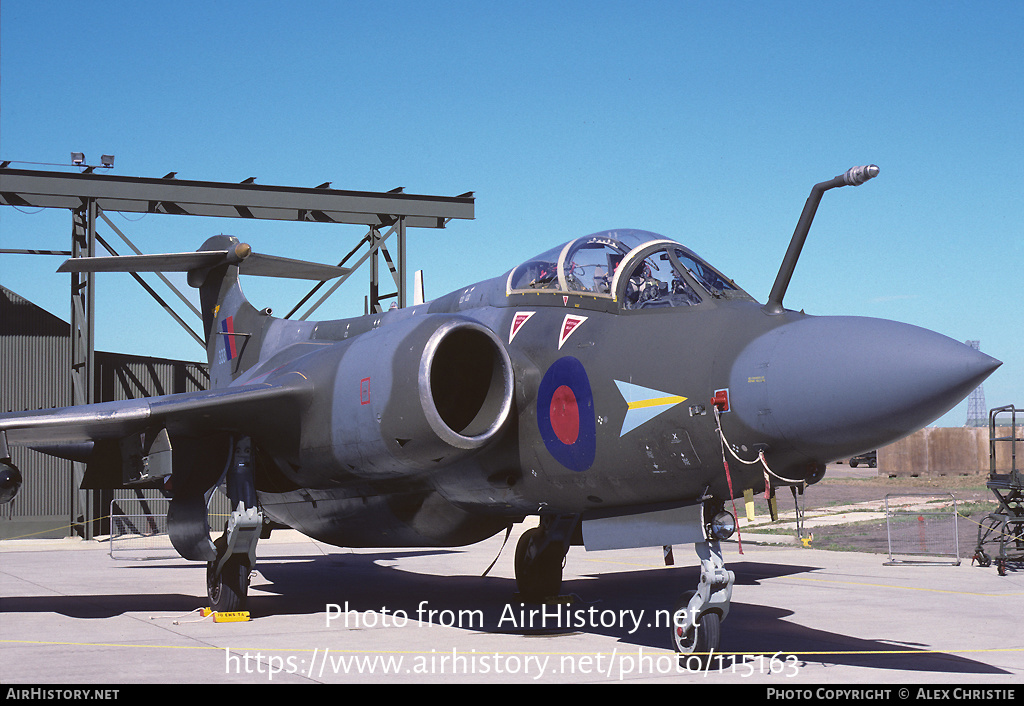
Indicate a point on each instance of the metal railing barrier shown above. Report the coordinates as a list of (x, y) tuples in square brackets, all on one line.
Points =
[(138, 528), (922, 529)]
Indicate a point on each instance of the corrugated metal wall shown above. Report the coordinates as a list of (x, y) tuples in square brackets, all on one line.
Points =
[(35, 351), (35, 358), (127, 377)]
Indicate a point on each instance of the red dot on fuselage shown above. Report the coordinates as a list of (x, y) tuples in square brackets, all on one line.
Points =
[(565, 415)]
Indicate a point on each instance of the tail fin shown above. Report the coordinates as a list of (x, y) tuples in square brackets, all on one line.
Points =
[(229, 321)]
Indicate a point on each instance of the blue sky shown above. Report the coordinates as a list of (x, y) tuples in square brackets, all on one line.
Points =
[(707, 122)]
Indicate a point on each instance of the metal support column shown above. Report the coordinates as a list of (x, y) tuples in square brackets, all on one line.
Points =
[(375, 307), (83, 350), (397, 270), (401, 281)]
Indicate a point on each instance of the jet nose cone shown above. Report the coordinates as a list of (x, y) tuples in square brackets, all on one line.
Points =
[(835, 386)]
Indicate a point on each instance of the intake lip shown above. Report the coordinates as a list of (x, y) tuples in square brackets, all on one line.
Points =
[(465, 384)]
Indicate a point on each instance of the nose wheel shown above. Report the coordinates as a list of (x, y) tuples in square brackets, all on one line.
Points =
[(698, 615), (702, 636)]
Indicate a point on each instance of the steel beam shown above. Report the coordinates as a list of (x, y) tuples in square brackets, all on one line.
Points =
[(87, 195), (27, 188)]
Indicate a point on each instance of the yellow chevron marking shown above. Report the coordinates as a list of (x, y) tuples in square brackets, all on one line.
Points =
[(655, 402)]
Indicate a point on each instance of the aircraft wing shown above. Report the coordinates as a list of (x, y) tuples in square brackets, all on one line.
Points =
[(233, 409)]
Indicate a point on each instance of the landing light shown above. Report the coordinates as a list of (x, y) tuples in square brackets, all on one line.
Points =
[(723, 525)]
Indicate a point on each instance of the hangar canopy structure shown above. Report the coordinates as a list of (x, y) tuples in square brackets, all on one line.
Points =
[(88, 195)]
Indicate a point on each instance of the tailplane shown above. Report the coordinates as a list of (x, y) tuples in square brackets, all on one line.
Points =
[(229, 321)]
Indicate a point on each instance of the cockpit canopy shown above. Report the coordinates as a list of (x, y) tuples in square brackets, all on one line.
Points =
[(636, 268)]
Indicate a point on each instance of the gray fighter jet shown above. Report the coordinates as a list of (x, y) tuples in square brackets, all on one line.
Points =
[(617, 386)]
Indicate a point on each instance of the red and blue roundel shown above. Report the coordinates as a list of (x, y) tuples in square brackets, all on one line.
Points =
[(565, 414)]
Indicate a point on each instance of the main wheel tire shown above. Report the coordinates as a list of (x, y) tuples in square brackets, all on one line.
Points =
[(542, 577), (696, 644), (228, 591)]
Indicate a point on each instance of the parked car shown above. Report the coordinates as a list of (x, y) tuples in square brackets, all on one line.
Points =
[(870, 458)]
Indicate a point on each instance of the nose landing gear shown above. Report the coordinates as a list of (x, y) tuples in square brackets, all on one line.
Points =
[(698, 615)]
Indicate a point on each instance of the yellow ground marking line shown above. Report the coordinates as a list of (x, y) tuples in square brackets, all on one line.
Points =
[(906, 588), (616, 652)]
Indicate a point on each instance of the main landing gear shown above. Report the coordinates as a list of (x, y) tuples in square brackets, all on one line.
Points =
[(540, 555), (227, 575)]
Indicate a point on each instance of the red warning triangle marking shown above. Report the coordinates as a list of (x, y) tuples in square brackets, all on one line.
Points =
[(570, 323), (518, 320)]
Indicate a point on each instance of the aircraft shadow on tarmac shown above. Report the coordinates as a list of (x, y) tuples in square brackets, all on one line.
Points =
[(367, 584), (99, 606), (370, 582)]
